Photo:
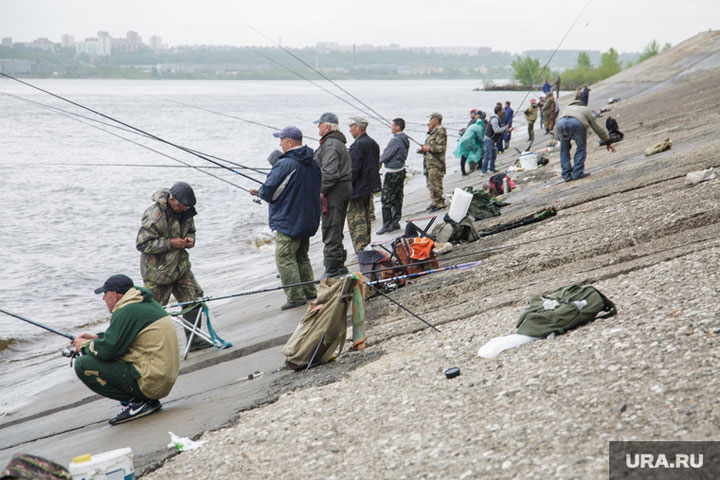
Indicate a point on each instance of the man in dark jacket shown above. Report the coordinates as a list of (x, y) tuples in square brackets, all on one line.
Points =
[(493, 133), (365, 156), (292, 191), (394, 158), (166, 233), (137, 359), (336, 190)]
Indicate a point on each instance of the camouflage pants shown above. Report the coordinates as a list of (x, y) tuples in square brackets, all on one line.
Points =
[(184, 289), (392, 190), (434, 181), (116, 380), (293, 264), (359, 223)]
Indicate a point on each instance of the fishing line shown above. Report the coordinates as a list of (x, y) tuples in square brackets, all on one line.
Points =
[(73, 117), (155, 137), (226, 115), (127, 130)]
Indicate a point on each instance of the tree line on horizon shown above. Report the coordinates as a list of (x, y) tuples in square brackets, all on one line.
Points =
[(528, 73)]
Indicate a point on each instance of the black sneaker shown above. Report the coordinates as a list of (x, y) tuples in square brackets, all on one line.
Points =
[(288, 305), (582, 175), (136, 410)]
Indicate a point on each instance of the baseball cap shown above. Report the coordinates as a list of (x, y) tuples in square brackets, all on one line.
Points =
[(532, 100), (116, 283), (327, 117), (183, 193), (291, 132), (359, 120), (436, 116)]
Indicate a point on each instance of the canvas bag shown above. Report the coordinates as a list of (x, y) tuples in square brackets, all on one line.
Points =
[(324, 324), (563, 310)]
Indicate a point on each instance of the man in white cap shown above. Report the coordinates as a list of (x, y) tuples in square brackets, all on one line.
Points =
[(335, 192), (365, 155)]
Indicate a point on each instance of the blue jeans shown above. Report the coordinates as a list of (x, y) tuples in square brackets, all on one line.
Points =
[(570, 128), (489, 156)]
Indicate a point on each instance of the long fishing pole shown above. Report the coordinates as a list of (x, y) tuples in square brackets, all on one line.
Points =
[(423, 262), (38, 324), (127, 130), (460, 266), (73, 117), (377, 290), (155, 137)]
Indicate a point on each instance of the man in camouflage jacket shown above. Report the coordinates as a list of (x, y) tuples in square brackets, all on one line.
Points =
[(434, 161), (166, 232)]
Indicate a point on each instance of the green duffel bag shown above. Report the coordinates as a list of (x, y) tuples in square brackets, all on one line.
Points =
[(563, 310)]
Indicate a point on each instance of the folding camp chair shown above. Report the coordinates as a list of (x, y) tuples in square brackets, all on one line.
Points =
[(202, 313)]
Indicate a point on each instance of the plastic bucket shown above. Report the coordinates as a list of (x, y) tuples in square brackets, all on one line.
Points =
[(460, 204), (528, 161), (112, 465)]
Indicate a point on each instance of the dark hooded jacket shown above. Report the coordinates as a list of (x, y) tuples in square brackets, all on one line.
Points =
[(365, 156), (292, 191)]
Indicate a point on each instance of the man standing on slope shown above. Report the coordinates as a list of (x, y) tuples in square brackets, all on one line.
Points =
[(292, 192), (393, 158), (335, 192), (434, 161), (572, 125)]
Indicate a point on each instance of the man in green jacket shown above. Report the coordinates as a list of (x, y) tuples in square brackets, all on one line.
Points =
[(166, 233), (137, 359)]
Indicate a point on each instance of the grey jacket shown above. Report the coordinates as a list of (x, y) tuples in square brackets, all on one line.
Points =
[(335, 161), (577, 109), (396, 151)]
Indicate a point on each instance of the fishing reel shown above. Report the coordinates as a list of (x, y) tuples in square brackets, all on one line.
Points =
[(70, 353)]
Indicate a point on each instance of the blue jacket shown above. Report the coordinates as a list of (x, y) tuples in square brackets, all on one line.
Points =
[(292, 190), (546, 88)]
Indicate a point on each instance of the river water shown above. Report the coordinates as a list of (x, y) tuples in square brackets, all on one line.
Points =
[(71, 204)]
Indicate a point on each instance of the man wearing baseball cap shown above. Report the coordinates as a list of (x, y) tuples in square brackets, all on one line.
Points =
[(292, 192), (137, 359), (166, 233), (434, 161), (335, 192)]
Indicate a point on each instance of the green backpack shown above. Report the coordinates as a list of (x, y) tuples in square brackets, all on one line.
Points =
[(563, 310)]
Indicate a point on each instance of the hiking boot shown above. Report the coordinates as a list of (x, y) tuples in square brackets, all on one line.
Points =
[(582, 175), (384, 229), (334, 272), (567, 179), (136, 410), (395, 226), (288, 305)]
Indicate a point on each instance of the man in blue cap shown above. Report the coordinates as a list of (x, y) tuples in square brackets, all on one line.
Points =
[(335, 191), (292, 192), (166, 233), (137, 359)]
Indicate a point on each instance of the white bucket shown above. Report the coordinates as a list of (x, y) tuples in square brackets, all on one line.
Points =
[(112, 465), (528, 161), (460, 204)]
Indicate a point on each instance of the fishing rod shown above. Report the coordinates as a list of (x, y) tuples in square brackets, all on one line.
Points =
[(423, 262), (73, 117), (155, 137), (127, 130), (38, 324), (460, 266), (404, 308)]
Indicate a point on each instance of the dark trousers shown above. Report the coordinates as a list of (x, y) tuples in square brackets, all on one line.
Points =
[(116, 380), (332, 225)]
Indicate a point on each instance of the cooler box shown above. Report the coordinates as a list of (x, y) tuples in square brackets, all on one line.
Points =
[(112, 465)]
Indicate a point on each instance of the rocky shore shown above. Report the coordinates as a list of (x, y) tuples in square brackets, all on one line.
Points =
[(634, 229)]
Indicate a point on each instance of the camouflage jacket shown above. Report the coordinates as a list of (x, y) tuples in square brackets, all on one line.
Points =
[(437, 141), (159, 262)]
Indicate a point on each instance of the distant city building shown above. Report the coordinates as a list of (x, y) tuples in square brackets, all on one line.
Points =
[(15, 66), (67, 41), (131, 43), (94, 47), (104, 44), (42, 44), (155, 43), (7, 42)]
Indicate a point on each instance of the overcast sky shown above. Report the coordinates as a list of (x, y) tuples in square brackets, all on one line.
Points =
[(514, 25)]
